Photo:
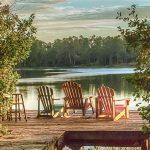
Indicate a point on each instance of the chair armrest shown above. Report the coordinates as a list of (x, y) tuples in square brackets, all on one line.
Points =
[(56, 99), (86, 97), (89, 97), (127, 100), (65, 99)]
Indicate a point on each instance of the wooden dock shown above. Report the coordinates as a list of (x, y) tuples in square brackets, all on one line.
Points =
[(38, 132)]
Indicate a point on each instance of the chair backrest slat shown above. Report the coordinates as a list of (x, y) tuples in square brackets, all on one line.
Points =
[(106, 96), (45, 95), (73, 94)]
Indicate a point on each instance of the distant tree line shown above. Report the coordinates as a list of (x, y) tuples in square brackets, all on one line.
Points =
[(76, 51)]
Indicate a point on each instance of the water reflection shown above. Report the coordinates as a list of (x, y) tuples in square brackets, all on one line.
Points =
[(29, 82)]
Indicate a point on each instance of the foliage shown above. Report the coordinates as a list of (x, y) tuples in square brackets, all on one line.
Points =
[(3, 130), (16, 37), (137, 36), (76, 51)]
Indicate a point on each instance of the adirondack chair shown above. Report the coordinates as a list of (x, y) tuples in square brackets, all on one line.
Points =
[(45, 97), (106, 104), (74, 99)]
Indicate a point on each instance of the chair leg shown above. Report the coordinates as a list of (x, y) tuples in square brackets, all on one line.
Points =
[(25, 116), (83, 111), (9, 114), (92, 109), (96, 103), (91, 106), (64, 111), (127, 112), (38, 115), (16, 116), (19, 111)]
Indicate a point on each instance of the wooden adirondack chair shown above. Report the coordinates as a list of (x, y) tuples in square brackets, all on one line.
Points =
[(45, 97), (74, 98), (106, 104)]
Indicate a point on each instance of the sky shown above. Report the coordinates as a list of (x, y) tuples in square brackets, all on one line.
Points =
[(63, 18)]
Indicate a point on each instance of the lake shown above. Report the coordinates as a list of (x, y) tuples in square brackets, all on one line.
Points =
[(89, 78)]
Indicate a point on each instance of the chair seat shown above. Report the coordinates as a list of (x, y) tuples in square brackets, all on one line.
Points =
[(120, 107)]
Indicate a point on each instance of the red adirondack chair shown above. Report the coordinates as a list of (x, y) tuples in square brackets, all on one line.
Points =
[(74, 99), (106, 104)]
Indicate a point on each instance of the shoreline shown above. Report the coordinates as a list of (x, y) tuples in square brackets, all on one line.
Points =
[(69, 67)]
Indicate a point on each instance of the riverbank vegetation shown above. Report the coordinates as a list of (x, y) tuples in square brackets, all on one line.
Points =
[(16, 36), (80, 51), (137, 36)]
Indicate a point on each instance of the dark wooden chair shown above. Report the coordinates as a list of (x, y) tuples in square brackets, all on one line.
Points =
[(46, 98), (106, 104), (74, 99)]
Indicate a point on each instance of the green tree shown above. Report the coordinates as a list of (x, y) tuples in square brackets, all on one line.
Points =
[(84, 49), (16, 36), (38, 55), (137, 35)]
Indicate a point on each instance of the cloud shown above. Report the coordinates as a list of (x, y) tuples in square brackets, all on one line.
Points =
[(49, 31), (60, 18)]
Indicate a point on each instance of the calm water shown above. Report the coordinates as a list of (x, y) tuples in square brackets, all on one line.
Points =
[(89, 78)]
